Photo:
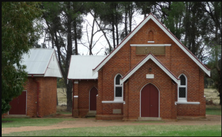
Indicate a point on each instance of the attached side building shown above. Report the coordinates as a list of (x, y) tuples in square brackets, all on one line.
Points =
[(39, 96), (85, 87)]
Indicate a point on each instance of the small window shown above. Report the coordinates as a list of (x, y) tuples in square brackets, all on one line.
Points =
[(150, 35), (118, 91), (118, 88), (182, 92), (118, 79), (182, 88), (182, 80)]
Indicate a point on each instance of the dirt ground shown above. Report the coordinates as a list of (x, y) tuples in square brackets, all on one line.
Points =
[(91, 122)]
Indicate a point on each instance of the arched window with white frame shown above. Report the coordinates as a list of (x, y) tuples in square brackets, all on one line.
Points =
[(118, 88), (182, 89)]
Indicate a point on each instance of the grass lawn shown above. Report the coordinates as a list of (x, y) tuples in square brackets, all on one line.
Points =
[(138, 130), (20, 122), (64, 112), (213, 110)]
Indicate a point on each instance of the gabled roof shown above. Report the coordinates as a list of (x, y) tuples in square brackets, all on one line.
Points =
[(151, 17), (81, 66), (142, 62), (41, 62)]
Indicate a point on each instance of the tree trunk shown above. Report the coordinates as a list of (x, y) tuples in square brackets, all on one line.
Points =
[(113, 32), (69, 53), (126, 33), (69, 95), (102, 32), (130, 19), (91, 39), (75, 36), (117, 35)]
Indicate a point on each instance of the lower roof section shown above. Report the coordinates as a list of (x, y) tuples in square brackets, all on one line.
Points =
[(81, 67)]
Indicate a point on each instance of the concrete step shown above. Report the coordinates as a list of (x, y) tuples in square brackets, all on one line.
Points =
[(16, 116), (191, 118), (150, 118), (91, 114)]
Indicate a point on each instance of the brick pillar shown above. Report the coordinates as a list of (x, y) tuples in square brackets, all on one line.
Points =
[(125, 105), (75, 108), (173, 100), (99, 97), (201, 97)]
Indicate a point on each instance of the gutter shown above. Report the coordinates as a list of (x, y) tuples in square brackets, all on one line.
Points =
[(38, 90)]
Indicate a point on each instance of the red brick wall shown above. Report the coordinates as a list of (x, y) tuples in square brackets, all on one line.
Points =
[(174, 59), (84, 88), (31, 88), (47, 96), (48, 92)]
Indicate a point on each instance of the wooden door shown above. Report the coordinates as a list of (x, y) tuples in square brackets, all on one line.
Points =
[(149, 101), (18, 105), (93, 93)]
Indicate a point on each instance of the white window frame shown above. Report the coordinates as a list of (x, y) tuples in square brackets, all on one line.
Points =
[(182, 99), (120, 85)]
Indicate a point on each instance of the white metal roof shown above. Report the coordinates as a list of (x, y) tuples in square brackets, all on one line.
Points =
[(81, 66), (40, 61)]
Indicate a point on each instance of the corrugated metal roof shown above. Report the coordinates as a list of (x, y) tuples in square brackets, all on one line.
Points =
[(81, 66), (37, 61)]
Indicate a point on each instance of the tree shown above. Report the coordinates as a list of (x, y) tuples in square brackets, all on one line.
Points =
[(215, 65), (18, 35), (95, 9), (175, 15), (213, 10), (190, 24), (63, 20), (128, 9), (90, 34), (112, 17), (145, 7)]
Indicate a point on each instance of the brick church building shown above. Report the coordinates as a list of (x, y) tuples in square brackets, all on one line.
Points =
[(149, 75)]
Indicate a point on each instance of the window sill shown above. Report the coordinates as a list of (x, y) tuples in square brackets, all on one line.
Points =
[(114, 101), (185, 102)]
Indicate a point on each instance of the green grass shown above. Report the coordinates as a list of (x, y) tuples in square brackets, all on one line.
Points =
[(19, 122), (138, 130), (213, 110)]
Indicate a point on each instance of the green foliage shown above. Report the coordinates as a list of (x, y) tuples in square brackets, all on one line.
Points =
[(18, 35), (213, 111), (175, 16), (60, 83), (215, 65)]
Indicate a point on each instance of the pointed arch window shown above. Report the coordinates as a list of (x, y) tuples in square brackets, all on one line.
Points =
[(182, 88), (118, 88), (150, 36)]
